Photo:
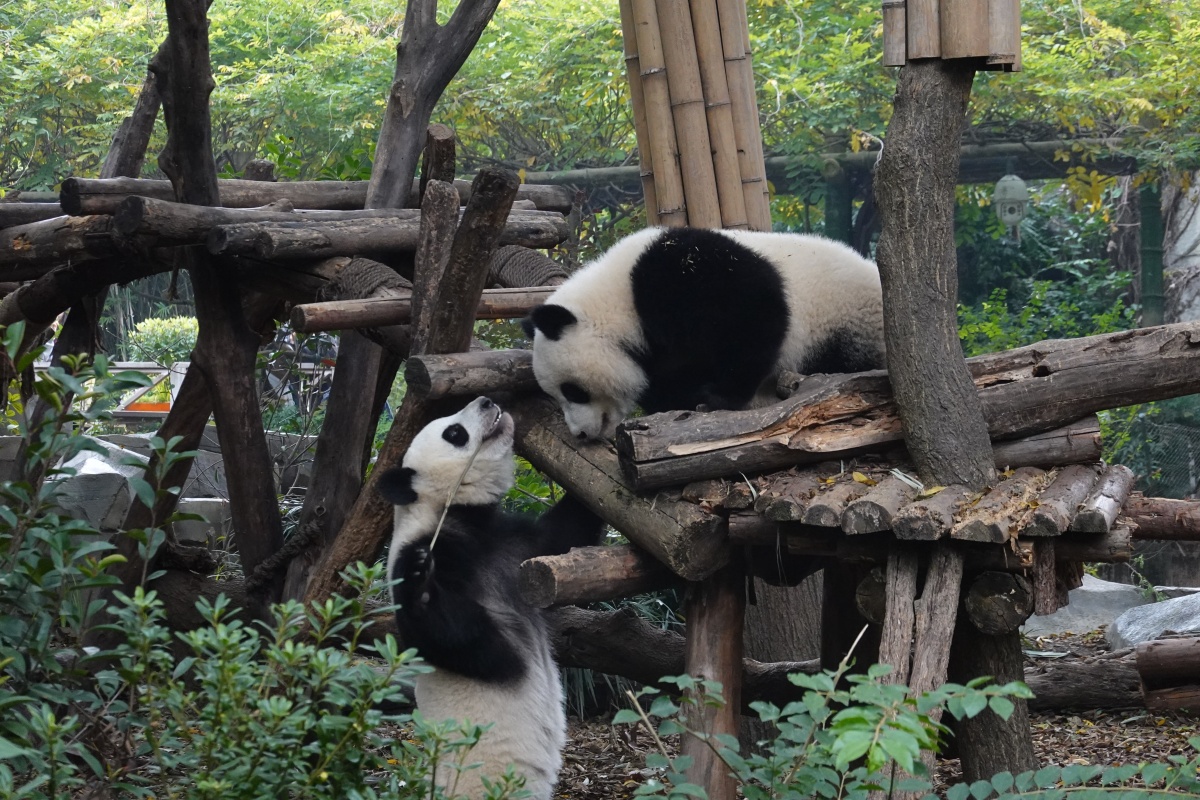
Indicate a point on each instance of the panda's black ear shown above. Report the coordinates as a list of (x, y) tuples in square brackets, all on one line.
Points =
[(396, 486), (551, 320)]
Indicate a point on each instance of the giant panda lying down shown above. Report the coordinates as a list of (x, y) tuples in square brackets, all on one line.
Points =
[(459, 604), (680, 318)]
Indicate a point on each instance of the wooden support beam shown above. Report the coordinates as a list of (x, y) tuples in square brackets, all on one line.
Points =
[(373, 237), (81, 196), (1163, 518), (591, 574), (684, 537), (31, 250), (715, 609), (337, 315), (469, 374), (12, 214)]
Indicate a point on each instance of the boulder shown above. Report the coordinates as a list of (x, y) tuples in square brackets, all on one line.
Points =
[(1148, 622), (1092, 605), (209, 531)]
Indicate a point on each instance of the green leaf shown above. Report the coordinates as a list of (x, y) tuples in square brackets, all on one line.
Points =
[(626, 716), (1002, 706), (981, 789)]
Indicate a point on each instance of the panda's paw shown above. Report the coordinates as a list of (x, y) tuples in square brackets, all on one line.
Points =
[(418, 570)]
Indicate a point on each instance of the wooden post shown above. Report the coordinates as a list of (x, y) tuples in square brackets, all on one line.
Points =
[(715, 609)]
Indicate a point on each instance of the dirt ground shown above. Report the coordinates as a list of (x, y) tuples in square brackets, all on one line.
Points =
[(602, 763)]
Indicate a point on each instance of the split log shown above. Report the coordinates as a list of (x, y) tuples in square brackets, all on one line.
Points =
[(368, 313), (786, 497), (900, 592), (998, 602), (590, 574), (1163, 518), (690, 541), (1056, 506), (12, 214), (1166, 663), (1024, 391), (1045, 578), (1076, 443), (932, 517), (873, 512), (1101, 507), (30, 251), (83, 196), (364, 237), (825, 508), (466, 374), (990, 519)]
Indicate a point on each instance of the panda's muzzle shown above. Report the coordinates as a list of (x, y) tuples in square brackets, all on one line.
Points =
[(496, 425)]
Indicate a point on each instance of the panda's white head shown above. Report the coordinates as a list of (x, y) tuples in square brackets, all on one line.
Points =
[(579, 360), (480, 435)]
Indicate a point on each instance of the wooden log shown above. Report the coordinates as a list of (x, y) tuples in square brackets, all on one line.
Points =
[(637, 98), (785, 497), (991, 519), (1045, 578), (931, 518), (622, 643), (1109, 680), (870, 597), (468, 375), (999, 602), (591, 574), (715, 609), (1114, 546), (305, 239), (84, 196), (30, 251), (688, 111), (690, 541), (1077, 442), (1056, 506), (664, 152), (1099, 511), (337, 315), (438, 157), (1163, 518), (1177, 697), (1165, 663), (13, 214), (1023, 391), (825, 508), (875, 510)]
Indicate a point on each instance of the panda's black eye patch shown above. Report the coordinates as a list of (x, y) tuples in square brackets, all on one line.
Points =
[(574, 393), (456, 435)]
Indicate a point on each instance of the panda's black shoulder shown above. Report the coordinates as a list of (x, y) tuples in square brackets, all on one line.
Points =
[(687, 264)]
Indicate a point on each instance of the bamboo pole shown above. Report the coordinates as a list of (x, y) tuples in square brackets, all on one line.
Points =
[(637, 98), (664, 151), (687, 109), (719, 111), (739, 71)]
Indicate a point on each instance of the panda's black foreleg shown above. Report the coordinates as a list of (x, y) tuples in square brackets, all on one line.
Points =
[(568, 524), (446, 624)]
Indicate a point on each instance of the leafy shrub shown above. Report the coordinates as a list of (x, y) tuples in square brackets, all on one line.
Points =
[(842, 743), (164, 341), (251, 711)]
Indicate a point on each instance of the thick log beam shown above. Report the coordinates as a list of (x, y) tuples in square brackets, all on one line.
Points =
[(1100, 509), (1024, 391), (689, 540), (470, 374), (1164, 518), (30, 251), (591, 574), (338, 315), (13, 214), (82, 196), (1169, 663)]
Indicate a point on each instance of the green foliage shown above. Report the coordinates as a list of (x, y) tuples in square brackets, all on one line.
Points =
[(164, 341), (843, 737), (279, 710)]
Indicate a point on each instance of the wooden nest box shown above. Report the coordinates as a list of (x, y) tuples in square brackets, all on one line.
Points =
[(988, 31)]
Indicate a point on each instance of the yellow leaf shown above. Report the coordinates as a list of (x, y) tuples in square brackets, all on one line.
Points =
[(930, 492), (863, 479)]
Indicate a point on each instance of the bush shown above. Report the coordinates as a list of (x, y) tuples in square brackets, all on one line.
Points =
[(282, 709), (164, 341)]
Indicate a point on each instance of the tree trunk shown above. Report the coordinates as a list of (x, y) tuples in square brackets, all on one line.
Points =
[(914, 185)]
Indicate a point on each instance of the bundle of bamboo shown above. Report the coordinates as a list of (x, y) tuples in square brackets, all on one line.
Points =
[(695, 115)]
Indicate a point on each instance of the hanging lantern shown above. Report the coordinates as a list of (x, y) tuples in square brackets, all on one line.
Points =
[(1011, 199)]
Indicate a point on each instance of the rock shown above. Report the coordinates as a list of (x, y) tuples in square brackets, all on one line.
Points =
[(99, 491), (1137, 625), (209, 531), (1093, 604)]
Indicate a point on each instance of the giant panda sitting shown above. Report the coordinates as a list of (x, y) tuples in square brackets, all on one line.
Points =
[(458, 598), (685, 318)]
